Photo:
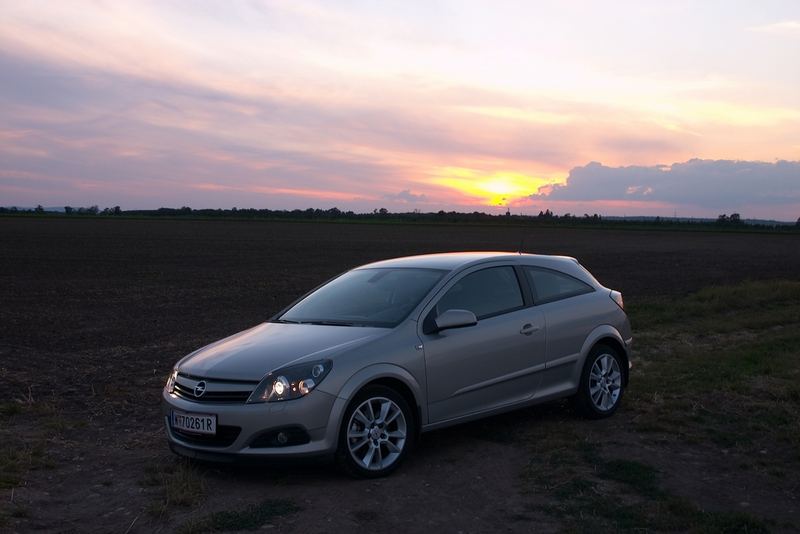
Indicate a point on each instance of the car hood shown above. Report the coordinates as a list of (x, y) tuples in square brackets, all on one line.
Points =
[(251, 354)]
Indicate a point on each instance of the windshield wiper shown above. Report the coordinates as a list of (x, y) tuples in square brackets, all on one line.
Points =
[(323, 322), (332, 323)]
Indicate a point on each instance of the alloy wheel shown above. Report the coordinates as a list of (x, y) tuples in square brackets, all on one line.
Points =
[(376, 433), (605, 382)]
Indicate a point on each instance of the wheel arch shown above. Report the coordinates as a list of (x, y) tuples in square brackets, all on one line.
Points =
[(388, 375), (400, 387), (606, 335)]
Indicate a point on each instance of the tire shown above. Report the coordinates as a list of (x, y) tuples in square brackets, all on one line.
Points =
[(602, 383), (369, 446)]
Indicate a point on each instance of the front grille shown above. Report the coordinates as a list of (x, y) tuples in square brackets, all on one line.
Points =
[(233, 397), (224, 437), (213, 390)]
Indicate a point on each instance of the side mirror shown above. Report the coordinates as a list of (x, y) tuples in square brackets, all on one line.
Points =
[(455, 319)]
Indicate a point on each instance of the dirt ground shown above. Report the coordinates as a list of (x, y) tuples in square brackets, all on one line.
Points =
[(94, 312)]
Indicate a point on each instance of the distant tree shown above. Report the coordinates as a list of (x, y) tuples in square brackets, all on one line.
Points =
[(735, 218), (39, 209), (383, 211), (722, 219), (117, 210), (68, 209), (798, 222)]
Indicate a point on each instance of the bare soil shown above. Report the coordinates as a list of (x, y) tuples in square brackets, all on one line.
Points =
[(94, 312)]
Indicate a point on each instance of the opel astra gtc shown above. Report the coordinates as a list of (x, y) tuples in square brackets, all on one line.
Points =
[(360, 366)]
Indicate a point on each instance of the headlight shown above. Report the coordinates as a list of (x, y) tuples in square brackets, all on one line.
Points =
[(171, 381), (291, 382)]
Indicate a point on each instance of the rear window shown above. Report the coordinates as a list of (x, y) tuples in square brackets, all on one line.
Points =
[(549, 285)]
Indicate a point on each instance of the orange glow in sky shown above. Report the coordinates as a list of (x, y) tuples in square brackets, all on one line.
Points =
[(499, 188)]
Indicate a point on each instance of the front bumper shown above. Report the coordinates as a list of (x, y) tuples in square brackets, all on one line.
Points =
[(318, 414)]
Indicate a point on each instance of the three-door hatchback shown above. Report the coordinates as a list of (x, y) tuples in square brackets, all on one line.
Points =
[(363, 364)]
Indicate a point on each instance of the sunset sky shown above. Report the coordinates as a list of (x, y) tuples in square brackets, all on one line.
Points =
[(624, 107)]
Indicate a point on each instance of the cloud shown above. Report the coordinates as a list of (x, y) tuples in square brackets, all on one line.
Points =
[(783, 27), (407, 196), (713, 184)]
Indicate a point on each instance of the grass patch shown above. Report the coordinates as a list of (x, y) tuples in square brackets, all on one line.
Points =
[(692, 371), (180, 484), (251, 517), (14, 511), (10, 409), (764, 302), (593, 494), (716, 372), (641, 478), (720, 366), (18, 457)]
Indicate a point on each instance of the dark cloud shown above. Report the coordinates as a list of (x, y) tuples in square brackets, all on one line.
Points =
[(716, 184), (406, 196)]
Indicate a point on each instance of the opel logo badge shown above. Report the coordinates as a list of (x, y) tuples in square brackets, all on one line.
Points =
[(200, 388)]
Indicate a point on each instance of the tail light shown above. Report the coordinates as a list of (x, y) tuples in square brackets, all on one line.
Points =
[(616, 296)]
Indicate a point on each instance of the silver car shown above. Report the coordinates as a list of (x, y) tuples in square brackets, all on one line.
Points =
[(361, 366)]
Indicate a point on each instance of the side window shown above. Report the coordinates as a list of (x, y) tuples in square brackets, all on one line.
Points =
[(552, 285), (486, 292)]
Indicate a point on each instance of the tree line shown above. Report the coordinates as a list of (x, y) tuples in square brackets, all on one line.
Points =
[(383, 214)]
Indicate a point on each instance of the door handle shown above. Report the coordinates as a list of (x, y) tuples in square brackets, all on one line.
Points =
[(529, 329)]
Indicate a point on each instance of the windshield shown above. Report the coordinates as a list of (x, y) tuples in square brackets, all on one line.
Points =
[(365, 297)]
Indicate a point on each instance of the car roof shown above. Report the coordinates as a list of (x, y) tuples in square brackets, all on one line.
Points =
[(455, 260)]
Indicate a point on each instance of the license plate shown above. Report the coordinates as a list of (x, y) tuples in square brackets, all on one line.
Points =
[(198, 423)]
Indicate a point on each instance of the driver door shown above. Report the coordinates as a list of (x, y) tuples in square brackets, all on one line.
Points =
[(494, 363)]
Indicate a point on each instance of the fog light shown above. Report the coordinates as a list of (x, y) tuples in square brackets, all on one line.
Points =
[(282, 438)]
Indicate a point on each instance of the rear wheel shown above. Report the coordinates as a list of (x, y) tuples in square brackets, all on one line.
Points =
[(602, 383), (377, 432)]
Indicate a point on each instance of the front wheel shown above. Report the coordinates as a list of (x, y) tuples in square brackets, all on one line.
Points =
[(602, 383), (377, 432)]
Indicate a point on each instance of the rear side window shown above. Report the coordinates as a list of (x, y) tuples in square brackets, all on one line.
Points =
[(485, 293), (551, 285)]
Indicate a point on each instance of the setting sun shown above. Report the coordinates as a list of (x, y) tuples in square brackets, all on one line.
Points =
[(498, 188)]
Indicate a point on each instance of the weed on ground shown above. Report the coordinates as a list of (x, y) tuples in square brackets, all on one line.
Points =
[(252, 517)]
